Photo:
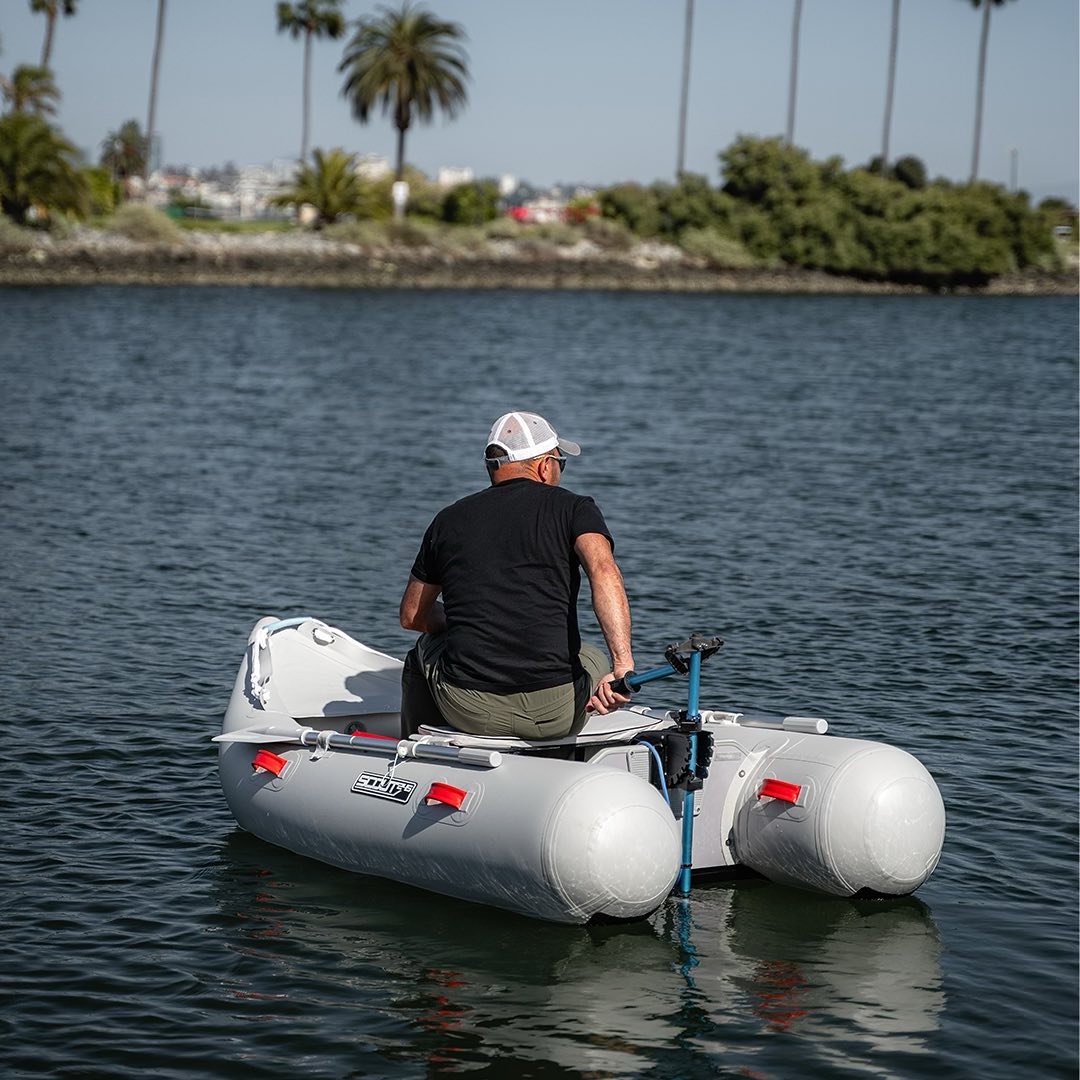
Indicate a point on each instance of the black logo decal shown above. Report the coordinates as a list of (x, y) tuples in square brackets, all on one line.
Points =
[(383, 786)]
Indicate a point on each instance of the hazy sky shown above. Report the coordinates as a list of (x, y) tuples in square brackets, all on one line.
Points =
[(588, 90)]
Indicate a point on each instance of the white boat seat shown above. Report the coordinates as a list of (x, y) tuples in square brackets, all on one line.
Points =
[(622, 725)]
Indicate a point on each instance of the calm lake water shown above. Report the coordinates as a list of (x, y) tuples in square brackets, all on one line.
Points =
[(874, 500)]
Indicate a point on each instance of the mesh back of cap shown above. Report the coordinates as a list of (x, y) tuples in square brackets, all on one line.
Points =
[(521, 433)]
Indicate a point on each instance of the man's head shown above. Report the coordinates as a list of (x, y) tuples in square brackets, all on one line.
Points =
[(525, 444)]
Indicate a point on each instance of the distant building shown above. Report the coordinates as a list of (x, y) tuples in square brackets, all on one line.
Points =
[(540, 210), (450, 176), (372, 167)]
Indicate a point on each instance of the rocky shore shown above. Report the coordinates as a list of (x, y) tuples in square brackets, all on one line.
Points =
[(90, 256)]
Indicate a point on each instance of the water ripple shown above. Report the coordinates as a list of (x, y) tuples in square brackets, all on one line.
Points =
[(872, 499)]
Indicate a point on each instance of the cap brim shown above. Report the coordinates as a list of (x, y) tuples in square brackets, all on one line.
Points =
[(568, 447)]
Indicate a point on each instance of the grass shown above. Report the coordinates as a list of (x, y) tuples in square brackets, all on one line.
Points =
[(271, 225)]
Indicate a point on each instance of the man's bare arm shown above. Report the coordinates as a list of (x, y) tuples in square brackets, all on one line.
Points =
[(612, 611), (420, 609)]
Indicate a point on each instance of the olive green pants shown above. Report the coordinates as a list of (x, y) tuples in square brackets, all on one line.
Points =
[(552, 713)]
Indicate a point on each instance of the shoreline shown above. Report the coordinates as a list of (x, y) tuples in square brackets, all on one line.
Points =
[(309, 261)]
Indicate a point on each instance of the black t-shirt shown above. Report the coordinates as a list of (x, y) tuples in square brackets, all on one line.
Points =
[(505, 561)]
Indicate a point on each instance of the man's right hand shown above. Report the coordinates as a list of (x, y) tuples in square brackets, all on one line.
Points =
[(605, 698)]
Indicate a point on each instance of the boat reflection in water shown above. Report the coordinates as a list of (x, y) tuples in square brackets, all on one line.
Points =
[(849, 976), (452, 983)]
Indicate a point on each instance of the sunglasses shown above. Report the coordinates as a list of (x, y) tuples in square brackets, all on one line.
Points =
[(560, 459)]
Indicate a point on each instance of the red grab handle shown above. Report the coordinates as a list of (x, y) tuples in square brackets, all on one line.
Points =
[(780, 789), (445, 793), (268, 760)]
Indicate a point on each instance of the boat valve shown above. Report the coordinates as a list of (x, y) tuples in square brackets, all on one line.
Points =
[(780, 789), (268, 760), (445, 793)]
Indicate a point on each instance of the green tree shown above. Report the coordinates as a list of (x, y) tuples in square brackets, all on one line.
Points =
[(124, 154), (37, 169), (768, 171), (101, 189), (980, 80), (910, 171), (30, 89), (312, 19), (634, 206), (690, 204), (408, 62), (51, 9), (329, 184), (471, 204)]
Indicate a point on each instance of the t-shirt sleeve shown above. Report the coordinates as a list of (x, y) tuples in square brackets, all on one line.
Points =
[(588, 519), (424, 565)]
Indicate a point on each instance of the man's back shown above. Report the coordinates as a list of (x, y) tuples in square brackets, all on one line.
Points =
[(505, 560)]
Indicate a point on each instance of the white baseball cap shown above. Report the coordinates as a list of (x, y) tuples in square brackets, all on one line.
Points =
[(525, 435)]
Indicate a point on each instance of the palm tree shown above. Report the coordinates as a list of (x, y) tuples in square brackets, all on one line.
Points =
[(124, 153), (159, 32), (312, 18), (37, 168), (330, 185), (688, 32), (410, 63), (890, 85), (980, 83), (51, 10), (794, 77), (30, 89)]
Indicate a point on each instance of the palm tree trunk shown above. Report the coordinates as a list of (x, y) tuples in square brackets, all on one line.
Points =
[(794, 71), (399, 165), (680, 164), (154, 68), (307, 98), (890, 86), (46, 48), (400, 195), (980, 86)]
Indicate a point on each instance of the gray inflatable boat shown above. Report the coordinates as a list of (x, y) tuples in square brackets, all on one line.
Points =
[(604, 824)]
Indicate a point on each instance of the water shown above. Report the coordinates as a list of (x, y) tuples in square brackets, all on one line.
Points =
[(874, 500)]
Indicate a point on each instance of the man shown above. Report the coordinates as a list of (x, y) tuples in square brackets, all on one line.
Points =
[(501, 653)]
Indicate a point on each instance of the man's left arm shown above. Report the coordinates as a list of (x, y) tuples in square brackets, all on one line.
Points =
[(612, 611)]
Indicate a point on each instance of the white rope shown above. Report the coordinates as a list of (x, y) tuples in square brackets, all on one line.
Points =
[(261, 641)]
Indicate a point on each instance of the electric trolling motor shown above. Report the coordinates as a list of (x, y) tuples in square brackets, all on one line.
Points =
[(684, 658)]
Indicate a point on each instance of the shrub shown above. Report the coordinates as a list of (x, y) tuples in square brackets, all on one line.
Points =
[(503, 228), (143, 223), (910, 171), (14, 238), (412, 233), (463, 238), (721, 250), (635, 206), (555, 232), (364, 233), (471, 204), (608, 233), (103, 190), (328, 183)]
